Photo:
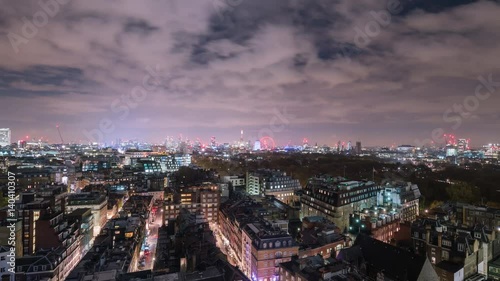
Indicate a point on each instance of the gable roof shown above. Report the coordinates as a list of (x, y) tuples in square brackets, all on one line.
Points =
[(393, 261)]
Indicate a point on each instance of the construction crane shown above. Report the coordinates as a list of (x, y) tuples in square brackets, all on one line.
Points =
[(60, 136)]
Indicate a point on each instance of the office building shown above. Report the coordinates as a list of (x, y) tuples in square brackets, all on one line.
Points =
[(336, 198), (275, 183), (402, 197), (98, 203), (5, 138), (204, 198)]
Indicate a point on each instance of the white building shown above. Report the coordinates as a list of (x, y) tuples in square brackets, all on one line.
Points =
[(236, 181), (96, 202), (4, 259), (5, 137)]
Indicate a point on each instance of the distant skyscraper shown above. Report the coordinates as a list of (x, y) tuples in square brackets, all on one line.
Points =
[(213, 142), (349, 146), (463, 145), (358, 147), (256, 146), (5, 137), (451, 151)]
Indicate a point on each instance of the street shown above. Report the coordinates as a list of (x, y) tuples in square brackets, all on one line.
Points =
[(223, 244), (148, 252)]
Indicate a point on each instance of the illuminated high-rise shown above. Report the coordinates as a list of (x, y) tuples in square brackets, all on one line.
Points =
[(5, 137), (463, 145)]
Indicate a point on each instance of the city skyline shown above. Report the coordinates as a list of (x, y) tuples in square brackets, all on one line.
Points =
[(394, 72)]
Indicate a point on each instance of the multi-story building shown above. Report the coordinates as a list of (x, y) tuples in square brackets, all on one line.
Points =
[(379, 222), (463, 145), (236, 213), (44, 265), (263, 249), (315, 268), (115, 250), (54, 231), (205, 198), (84, 220), (236, 181), (97, 202), (149, 166), (381, 261), (4, 263), (193, 241), (358, 148), (6, 230), (5, 138), (30, 178), (471, 215), (335, 198), (494, 269), (320, 237), (30, 209), (183, 160), (455, 250), (275, 183), (403, 197)]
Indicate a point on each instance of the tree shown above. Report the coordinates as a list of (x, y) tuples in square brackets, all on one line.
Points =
[(463, 192)]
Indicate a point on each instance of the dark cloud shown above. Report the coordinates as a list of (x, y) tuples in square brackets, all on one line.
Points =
[(223, 66), (140, 26)]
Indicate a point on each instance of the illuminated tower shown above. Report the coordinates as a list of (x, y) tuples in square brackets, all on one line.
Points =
[(242, 143)]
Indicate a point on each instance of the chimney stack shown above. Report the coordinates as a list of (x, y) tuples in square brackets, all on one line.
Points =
[(427, 233)]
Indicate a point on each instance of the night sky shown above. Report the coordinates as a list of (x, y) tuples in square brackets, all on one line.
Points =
[(382, 72)]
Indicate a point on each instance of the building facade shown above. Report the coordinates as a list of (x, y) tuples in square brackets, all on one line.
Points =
[(275, 183), (5, 137), (263, 249), (98, 203), (335, 198)]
